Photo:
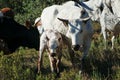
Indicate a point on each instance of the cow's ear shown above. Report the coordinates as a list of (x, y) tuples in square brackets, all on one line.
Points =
[(59, 39), (65, 22), (85, 19), (101, 8), (28, 24), (47, 38)]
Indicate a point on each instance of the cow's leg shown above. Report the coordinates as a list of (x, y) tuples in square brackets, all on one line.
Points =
[(103, 30), (86, 48), (52, 63), (112, 40), (104, 36), (72, 55), (70, 51), (58, 63), (41, 50), (85, 52)]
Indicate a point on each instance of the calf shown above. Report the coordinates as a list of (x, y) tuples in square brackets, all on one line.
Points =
[(51, 40)]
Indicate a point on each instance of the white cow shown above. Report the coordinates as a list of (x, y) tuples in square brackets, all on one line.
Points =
[(71, 21), (115, 4), (51, 41), (109, 21), (91, 7), (107, 2)]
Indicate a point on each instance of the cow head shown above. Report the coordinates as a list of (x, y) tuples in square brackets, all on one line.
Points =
[(54, 42), (76, 29)]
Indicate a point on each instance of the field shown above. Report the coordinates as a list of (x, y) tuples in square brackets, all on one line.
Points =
[(100, 64)]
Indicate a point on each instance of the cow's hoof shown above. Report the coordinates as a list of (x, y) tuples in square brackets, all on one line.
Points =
[(57, 75), (81, 72), (38, 72)]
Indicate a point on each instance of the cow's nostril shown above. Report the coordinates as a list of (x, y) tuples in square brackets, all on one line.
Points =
[(76, 47), (53, 54)]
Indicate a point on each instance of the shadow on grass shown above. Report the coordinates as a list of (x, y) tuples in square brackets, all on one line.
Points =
[(105, 64)]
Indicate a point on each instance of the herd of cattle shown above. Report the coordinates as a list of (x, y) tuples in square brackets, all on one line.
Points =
[(68, 24)]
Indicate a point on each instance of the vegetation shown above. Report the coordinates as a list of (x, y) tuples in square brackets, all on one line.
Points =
[(100, 64), (28, 9)]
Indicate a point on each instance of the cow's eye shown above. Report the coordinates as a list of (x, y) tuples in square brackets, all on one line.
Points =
[(57, 47), (83, 12), (72, 31), (81, 31)]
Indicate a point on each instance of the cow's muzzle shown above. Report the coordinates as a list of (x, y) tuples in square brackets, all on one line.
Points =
[(76, 47), (52, 54)]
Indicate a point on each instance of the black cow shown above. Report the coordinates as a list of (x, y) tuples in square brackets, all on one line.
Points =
[(16, 35)]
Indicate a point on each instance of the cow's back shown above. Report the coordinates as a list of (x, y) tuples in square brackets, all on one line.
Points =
[(73, 12), (66, 11), (48, 16), (116, 7)]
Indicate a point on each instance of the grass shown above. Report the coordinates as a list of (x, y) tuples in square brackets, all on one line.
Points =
[(100, 64)]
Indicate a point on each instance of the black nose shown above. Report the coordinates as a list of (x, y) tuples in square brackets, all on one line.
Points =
[(53, 54), (76, 47)]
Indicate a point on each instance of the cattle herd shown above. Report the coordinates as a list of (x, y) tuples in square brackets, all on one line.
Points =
[(68, 24)]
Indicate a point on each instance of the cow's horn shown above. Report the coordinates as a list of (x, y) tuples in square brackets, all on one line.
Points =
[(85, 19), (65, 21)]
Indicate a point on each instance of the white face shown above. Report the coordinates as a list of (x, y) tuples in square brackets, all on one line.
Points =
[(54, 43), (75, 33), (76, 29)]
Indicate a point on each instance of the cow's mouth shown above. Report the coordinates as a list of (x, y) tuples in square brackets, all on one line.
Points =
[(76, 47), (53, 54), (81, 47)]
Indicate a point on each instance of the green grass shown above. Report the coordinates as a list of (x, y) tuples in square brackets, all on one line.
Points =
[(100, 64)]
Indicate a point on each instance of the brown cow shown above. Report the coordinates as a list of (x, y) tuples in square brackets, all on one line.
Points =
[(8, 12)]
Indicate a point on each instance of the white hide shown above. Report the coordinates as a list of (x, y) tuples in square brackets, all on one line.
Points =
[(109, 21), (50, 40), (107, 2), (91, 7), (92, 4), (79, 31), (116, 7)]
